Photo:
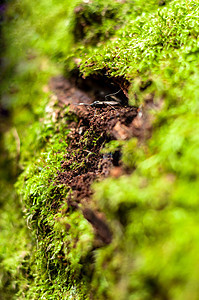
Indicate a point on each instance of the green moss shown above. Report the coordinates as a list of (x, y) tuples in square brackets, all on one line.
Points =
[(63, 237), (146, 48), (153, 212), (28, 64)]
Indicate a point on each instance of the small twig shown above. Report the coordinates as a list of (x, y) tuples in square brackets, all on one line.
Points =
[(101, 103), (112, 94), (82, 103)]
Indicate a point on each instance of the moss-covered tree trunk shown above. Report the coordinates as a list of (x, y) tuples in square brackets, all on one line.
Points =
[(99, 150)]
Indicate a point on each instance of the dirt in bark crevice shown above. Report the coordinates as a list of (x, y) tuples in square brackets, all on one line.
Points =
[(83, 162)]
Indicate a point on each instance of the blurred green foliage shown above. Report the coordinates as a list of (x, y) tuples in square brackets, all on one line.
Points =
[(30, 56), (153, 212)]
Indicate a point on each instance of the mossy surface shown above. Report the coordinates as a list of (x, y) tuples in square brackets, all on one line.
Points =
[(152, 210)]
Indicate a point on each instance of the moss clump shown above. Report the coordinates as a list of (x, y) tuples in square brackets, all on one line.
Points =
[(62, 237), (28, 63), (145, 48)]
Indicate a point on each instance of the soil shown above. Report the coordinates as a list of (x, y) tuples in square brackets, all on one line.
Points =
[(83, 162)]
